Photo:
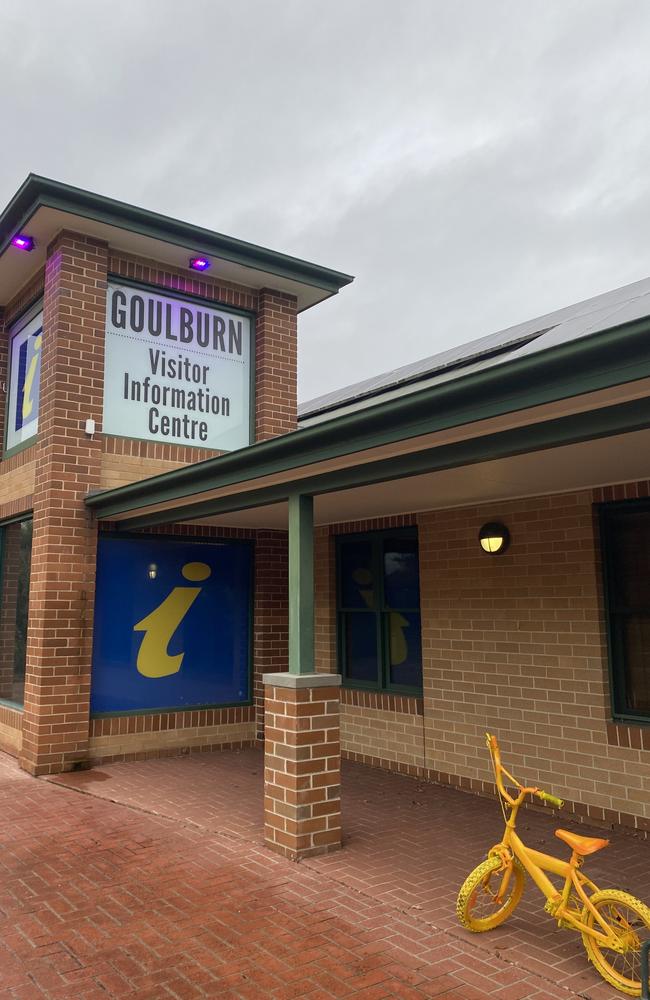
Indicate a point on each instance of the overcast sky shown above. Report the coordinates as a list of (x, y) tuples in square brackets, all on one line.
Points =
[(473, 163)]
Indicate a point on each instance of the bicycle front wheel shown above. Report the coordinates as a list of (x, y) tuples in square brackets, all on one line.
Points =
[(629, 920), (479, 906)]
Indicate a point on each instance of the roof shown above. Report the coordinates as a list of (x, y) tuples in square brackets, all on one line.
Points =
[(603, 312), (42, 207), (579, 389)]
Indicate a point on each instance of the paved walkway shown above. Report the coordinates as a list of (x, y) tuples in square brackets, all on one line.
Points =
[(156, 885)]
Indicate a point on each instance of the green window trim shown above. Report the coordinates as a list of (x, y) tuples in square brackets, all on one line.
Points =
[(381, 613), (619, 612), (30, 312), (19, 612)]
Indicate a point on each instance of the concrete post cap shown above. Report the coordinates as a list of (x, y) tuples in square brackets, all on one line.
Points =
[(285, 679)]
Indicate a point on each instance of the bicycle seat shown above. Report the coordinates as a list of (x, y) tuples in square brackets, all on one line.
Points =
[(581, 845)]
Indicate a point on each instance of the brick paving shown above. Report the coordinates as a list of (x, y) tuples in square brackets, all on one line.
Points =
[(167, 892)]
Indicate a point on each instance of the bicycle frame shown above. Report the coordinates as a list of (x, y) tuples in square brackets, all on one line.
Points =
[(536, 863)]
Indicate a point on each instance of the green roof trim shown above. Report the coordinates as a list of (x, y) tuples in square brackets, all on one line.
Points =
[(605, 359), (37, 192)]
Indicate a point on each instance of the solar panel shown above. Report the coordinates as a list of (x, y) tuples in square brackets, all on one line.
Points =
[(621, 305)]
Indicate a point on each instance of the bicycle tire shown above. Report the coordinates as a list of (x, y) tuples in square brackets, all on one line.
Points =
[(626, 975), (469, 897)]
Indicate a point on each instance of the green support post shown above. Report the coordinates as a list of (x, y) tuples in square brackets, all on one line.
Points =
[(301, 584)]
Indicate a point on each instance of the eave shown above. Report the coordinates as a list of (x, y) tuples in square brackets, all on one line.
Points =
[(356, 448), (44, 207)]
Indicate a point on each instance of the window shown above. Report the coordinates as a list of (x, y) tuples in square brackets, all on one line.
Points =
[(26, 338), (16, 554), (378, 604), (172, 624), (625, 532)]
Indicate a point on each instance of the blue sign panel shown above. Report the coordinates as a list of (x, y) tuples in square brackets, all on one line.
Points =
[(29, 380), (172, 623), (24, 381)]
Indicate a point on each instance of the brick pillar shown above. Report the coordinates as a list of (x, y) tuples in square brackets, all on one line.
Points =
[(271, 619), (276, 365), (302, 764), (59, 643)]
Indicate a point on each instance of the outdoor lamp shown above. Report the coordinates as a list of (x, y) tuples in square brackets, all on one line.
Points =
[(153, 571), (22, 242), (494, 538), (199, 263)]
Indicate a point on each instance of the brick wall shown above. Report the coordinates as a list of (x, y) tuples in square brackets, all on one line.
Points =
[(125, 460), (325, 659), (11, 724), (55, 721), (276, 365), (271, 643), (383, 730), (159, 734), (54, 475), (515, 644), (17, 479)]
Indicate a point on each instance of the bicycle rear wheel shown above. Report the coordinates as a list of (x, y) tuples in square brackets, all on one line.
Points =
[(478, 906), (629, 918)]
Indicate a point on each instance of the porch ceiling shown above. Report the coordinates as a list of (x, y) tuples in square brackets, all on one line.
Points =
[(602, 462)]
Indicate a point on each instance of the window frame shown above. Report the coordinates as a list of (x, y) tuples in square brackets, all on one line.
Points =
[(18, 519), (251, 544), (383, 683), (615, 653), (17, 326)]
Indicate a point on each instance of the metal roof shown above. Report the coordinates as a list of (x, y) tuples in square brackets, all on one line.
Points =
[(603, 312)]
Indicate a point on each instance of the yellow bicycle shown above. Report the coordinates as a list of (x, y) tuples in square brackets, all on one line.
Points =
[(613, 924)]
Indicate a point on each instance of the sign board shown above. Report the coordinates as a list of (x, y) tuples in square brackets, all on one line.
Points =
[(172, 624), (177, 370), (24, 380)]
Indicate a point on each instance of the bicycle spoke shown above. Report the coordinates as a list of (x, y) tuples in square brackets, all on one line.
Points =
[(632, 932), (484, 902)]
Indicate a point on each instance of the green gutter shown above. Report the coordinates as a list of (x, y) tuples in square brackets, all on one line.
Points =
[(37, 192), (609, 358), (627, 417)]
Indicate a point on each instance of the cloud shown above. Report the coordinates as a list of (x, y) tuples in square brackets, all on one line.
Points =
[(473, 164)]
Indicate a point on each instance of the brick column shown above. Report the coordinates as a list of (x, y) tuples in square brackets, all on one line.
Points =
[(276, 365), (59, 642), (302, 764)]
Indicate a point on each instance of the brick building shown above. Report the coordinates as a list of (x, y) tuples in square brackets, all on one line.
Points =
[(189, 562)]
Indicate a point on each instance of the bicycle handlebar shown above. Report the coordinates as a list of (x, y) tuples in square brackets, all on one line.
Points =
[(500, 770), (551, 799)]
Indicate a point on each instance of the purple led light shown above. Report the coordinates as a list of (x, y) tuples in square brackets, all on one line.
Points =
[(22, 242), (199, 263)]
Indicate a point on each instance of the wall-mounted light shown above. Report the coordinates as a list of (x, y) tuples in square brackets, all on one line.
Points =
[(494, 538), (22, 242), (152, 571), (199, 263)]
